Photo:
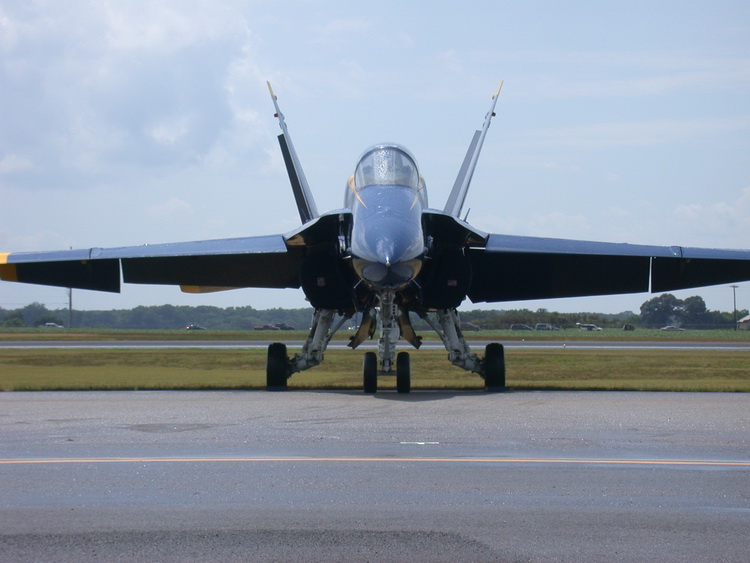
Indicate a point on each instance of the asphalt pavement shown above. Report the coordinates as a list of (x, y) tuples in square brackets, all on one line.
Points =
[(343, 476)]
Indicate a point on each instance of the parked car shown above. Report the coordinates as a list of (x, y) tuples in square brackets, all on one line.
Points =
[(194, 327), (582, 326), (267, 327), (283, 326), (520, 327), (671, 327), (545, 326)]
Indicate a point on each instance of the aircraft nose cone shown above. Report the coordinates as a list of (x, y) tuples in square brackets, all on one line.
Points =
[(387, 247), (388, 262), (389, 276)]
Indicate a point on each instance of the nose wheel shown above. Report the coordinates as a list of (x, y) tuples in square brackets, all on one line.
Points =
[(370, 372)]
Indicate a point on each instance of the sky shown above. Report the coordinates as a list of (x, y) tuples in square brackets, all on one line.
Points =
[(132, 122)]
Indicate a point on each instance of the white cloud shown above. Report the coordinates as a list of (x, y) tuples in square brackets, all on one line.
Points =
[(717, 223), (109, 88), (627, 74), (553, 224), (340, 30), (636, 133), (452, 61), (14, 163), (173, 208), (169, 131), (561, 167)]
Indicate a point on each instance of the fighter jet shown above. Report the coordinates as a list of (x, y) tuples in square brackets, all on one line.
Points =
[(387, 256)]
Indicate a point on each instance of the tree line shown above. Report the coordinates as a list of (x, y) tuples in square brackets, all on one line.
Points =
[(161, 317), (660, 311), (690, 312)]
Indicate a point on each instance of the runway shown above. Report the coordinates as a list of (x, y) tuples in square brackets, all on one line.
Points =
[(343, 476)]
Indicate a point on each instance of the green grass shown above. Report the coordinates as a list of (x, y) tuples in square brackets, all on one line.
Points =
[(49, 334), (689, 370)]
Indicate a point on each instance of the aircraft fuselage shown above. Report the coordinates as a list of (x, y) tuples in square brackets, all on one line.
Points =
[(386, 195)]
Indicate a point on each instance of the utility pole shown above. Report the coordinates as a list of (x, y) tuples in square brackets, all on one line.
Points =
[(70, 304), (734, 299)]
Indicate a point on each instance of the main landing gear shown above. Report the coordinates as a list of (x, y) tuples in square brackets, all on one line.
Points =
[(370, 372), (280, 367), (277, 367), (392, 322), (494, 368)]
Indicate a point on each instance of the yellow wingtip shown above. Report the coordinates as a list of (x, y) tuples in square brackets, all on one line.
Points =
[(203, 288), (497, 92), (270, 90), (8, 272)]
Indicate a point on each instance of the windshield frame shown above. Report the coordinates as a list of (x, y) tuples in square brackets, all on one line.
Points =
[(386, 164)]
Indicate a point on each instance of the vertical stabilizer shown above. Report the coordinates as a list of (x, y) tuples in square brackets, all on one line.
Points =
[(302, 195), (461, 185)]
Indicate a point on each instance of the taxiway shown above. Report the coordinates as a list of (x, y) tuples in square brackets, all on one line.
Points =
[(342, 476)]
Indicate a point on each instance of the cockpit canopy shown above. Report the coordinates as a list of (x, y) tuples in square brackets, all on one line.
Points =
[(386, 165)]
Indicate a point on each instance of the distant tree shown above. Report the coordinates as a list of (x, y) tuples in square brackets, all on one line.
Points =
[(661, 310), (31, 313), (694, 310), (143, 318), (14, 320)]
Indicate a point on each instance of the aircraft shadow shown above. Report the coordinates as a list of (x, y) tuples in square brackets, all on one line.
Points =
[(416, 396)]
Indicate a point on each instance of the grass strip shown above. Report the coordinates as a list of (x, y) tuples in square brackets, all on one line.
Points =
[(56, 334), (91, 369)]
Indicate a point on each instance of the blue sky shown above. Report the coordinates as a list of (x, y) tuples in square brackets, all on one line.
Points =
[(131, 122)]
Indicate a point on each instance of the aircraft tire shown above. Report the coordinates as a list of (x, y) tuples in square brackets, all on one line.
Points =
[(494, 368), (370, 372), (403, 372), (277, 367)]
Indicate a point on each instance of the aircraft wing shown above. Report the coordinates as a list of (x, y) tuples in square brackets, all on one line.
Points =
[(273, 261), (514, 268), (201, 266)]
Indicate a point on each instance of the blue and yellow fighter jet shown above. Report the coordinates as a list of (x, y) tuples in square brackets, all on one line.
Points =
[(385, 255)]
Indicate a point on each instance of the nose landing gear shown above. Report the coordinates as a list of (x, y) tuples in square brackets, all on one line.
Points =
[(403, 372), (370, 372)]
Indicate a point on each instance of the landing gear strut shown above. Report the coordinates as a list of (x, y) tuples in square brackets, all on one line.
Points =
[(280, 367), (491, 367)]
